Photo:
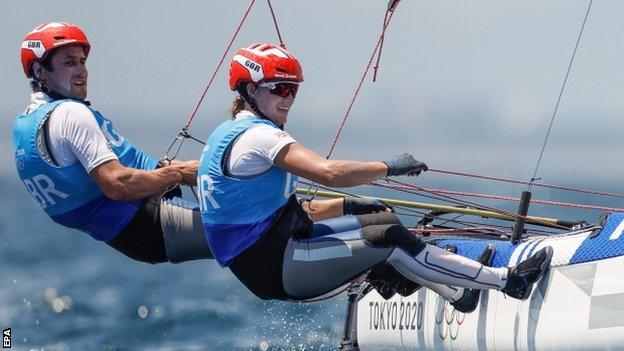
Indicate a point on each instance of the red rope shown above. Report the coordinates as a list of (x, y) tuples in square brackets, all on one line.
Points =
[(384, 25), (468, 230), (279, 35), (506, 198), (214, 74), (514, 181), (414, 189), (387, 15)]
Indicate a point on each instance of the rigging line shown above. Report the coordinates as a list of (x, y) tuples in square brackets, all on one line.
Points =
[(510, 198), (416, 190), (376, 67), (535, 184), (418, 214), (469, 230), (214, 74), (414, 212), (359, 86), (388, 15), (410, 212), (179, 140), (498, 226), (464, 202), (391, 6), (450, 199), (452, 220), (279, 35), (507, 229), (565, 81)]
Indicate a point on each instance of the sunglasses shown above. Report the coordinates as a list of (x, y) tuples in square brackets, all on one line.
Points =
[(282, 89)]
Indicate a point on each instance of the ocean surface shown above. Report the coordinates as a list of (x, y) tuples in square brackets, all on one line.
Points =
[(62, 290)]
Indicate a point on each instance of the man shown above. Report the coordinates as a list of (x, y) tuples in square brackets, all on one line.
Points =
[(87, 176)]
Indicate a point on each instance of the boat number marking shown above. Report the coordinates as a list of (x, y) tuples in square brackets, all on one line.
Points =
[(617, 232), (392, 315)]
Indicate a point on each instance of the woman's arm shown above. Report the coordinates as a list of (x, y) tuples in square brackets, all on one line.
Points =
[(297, 159)]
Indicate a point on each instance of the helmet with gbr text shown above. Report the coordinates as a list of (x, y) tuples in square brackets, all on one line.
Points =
[(42, 40), (259, 63)]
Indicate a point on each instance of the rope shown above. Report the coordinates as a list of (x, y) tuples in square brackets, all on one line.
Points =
[(388, 17), (507, 198), (565, 81), (386, 22), (279, 35), (469, 230), (391, 6), (414, 189), (515, 181), (184, 134), (410, 212), (214, 74)]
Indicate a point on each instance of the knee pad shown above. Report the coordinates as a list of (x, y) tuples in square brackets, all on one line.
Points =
[(378, 219), (396, 235)]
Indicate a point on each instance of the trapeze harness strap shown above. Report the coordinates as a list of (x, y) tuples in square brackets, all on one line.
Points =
[(236, 212), (68, 194)]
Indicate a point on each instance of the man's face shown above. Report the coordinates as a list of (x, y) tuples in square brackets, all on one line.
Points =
[(69, 74)]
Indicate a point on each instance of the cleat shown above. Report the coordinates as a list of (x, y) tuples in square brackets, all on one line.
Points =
[(521, 278), (470, 298), (450, 248)]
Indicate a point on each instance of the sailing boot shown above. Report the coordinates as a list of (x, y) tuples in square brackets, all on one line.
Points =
[(406, 287), (388, 281), (382, 279), (521, 278), (470, 298)]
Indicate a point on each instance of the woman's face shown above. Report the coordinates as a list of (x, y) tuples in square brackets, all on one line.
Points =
[(272, 105)]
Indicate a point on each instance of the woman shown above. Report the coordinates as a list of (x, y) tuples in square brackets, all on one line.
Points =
[(282, 248)]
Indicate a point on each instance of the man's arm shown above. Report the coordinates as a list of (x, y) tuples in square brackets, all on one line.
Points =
[(126, 184), (76, 136), (297, 159)]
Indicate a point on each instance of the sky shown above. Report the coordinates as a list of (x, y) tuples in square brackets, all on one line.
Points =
[(463, 85)]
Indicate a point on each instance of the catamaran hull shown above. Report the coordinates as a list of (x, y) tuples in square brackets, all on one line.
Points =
[(578, 305)]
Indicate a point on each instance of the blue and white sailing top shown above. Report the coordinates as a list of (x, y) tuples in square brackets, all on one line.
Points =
[(63, 187), (239, 197)]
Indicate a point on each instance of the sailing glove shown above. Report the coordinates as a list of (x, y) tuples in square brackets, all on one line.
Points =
[(358, 206), (405, 164)]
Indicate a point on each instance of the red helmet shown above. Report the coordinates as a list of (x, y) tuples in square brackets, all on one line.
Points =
[(42, 40), (264, 62)]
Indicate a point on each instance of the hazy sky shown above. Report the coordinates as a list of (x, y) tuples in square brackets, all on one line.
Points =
[(463, 85)]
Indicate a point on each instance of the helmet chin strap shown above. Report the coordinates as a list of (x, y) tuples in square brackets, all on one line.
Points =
[(242, 90)]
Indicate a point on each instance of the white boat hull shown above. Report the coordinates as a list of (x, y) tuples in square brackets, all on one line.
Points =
[(576, 306)]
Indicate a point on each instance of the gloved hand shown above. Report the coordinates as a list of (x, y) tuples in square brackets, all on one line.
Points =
[(358, 206), (405, 164)]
